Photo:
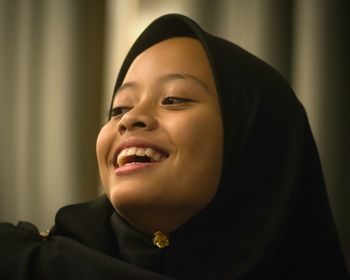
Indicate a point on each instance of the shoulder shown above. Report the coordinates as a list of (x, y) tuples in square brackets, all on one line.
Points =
[(84, 213), (87, 223)]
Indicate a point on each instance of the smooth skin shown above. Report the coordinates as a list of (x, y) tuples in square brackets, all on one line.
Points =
[(168, 100)]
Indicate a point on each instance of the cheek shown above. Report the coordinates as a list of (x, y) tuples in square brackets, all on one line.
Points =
[(104, 145), (101, 141), (198, 138), (199, 133)]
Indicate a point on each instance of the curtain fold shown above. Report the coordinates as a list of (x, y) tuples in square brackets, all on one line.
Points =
[(50, 94)]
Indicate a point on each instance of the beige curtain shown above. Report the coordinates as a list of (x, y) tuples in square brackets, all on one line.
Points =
[(50, 95), (59, 59)]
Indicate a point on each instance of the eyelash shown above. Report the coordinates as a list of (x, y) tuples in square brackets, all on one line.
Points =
[(171, 100), (168, 101), (118, 111)]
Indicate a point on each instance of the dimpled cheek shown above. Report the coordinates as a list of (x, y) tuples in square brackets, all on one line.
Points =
[(202, 135), (195, 141)]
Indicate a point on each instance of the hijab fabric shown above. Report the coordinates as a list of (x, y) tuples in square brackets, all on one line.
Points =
[(270, 218)]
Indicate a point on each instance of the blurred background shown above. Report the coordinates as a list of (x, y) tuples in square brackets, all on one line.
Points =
[(59, 60)]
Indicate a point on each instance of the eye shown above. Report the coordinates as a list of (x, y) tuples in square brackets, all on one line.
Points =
[(174, 100), (119, 111)]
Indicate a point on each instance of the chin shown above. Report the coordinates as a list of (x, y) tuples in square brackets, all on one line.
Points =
[(131, 200)]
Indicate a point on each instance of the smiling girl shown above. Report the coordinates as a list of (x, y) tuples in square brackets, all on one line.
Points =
[(174, 115), (210, 171)]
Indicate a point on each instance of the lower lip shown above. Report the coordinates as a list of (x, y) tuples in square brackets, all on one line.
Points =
[(126, 169)]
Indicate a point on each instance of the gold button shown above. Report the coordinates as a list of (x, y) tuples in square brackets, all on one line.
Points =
[(160, 239), (45, 234)]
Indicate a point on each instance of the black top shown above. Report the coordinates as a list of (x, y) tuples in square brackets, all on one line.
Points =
[(270, 218)]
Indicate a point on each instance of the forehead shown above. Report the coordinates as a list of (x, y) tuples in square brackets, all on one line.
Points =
[(171, 60), (176, 55)]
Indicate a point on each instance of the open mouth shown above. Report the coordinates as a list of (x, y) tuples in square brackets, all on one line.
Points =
[(138, 155)]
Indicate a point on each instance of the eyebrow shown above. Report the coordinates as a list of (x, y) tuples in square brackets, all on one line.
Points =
[(168, 77), (182, 76), (126, 85)]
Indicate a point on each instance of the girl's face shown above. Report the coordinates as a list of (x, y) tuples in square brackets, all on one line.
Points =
[(160, 155)]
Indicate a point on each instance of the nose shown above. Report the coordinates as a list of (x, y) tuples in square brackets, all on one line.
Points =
[(135, 119)]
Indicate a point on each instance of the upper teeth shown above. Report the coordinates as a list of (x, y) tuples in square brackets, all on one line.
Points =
[(138, 151)]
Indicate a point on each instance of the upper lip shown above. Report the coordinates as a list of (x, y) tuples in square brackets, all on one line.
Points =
[(136, 142)]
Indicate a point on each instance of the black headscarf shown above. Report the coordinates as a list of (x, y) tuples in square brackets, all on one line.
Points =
[(270, 218)]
